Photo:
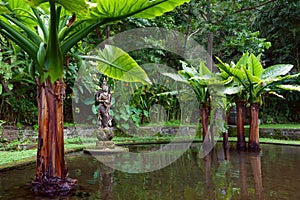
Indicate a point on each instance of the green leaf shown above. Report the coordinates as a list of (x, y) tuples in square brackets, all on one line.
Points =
[(232, 90), (251, 78), (116, 63), (157, 8), (1, 88), (242, 61), (137, 8), (4, 9), (203, 69), (276, 70), (35, 3), (290, 87), (254, 65), (176, 77), (74, 5), (10, 86)]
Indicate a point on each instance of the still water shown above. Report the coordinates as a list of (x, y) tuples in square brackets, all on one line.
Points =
[(273, 173)]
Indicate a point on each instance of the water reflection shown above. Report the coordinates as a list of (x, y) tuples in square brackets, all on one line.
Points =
[(223, 174)]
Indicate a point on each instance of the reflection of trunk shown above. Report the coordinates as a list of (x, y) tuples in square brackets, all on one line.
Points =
[(225, 140), (253, 144), (207, 167), (204, 112), (256, 169), (241, 144), (225, 146), (106, 182), (50, 166), (243, 175)]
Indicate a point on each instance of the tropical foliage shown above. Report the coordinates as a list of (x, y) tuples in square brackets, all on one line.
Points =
[(46, 31), (257, 81)]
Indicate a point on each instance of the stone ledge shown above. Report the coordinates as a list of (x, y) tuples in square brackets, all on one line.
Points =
[(275, 133)]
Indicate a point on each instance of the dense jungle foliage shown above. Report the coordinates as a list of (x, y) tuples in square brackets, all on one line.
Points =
[(226, 28)]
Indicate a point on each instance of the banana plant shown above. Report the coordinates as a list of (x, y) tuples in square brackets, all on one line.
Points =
[(47, 30), (257, 81), (204, 84), (239, 98)]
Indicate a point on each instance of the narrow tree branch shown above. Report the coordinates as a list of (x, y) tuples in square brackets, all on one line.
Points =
[(254, 7)]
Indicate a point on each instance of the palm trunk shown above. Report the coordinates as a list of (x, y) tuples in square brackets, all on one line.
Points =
[(241, 143), (51, 172), (204, 112), (253, 144)]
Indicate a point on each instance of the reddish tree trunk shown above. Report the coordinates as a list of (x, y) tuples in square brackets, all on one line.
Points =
[(241, 143), (50, 167), (253, 144), (204, 112)]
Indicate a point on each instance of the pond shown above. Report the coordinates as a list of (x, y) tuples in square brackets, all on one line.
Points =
[(270, 174)]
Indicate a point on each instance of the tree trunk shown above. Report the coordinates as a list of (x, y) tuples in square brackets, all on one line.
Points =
[(253, 144), (241, 143), (51, 172), (204, 112)]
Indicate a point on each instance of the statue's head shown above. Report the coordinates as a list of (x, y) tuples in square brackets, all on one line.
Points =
[(105, 86)]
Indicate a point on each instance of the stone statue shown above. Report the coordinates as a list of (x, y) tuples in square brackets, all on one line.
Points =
[(104, 99)]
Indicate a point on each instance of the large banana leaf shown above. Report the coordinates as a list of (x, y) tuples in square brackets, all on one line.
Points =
[(276, 70), (254, 66), (35, 2), (116, 63), (107, 11), (252, 79), (242, 61), (137, 8), (71, 5)]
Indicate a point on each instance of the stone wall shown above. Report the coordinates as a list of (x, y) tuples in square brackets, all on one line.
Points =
[(275, 133)]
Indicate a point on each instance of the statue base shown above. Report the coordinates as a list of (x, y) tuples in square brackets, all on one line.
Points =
[(104, 145), (104, 134)]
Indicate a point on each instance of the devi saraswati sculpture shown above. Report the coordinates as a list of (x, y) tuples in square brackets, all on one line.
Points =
[(104, 119), (104, 133)]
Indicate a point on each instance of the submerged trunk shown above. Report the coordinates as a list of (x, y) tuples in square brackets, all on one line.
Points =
[(204, 112), (51, 172), (253, 144), (241, 143)]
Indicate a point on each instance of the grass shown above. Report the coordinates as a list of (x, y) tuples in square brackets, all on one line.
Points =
[(278, 126), (10, 159)]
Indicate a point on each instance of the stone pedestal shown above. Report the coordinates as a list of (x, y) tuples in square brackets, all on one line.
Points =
[(104, 145)]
